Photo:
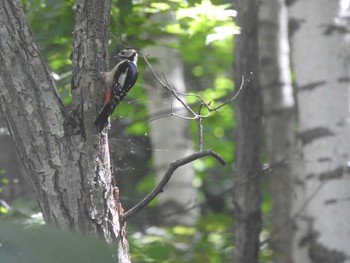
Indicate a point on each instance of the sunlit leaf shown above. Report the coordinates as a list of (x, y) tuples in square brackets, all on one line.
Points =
[(161, 6), (183, 230)]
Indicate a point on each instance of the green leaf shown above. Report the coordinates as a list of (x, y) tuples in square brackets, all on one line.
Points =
[(184, 231), (146, 184), (125, 8), (139, 128), (161, 6)]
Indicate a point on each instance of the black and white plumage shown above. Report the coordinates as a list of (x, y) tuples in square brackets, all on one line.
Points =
[(118, 82)]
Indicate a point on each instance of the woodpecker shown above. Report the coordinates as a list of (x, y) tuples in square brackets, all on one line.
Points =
[(117, 83)]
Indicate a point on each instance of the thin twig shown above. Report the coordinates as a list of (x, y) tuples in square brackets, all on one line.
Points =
[(176, 164), (158, 117), (200, 130), (160, 187), (167, 87), (197, 117), (233, 97), (177, 95)]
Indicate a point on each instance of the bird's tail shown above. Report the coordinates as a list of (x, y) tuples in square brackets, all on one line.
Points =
[(102, 118)]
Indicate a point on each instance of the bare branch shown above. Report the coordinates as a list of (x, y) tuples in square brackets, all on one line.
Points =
[(194, 116), (172, 91), (172, 167), (234, 96), (197, 117), (200, 130), (177, 95)]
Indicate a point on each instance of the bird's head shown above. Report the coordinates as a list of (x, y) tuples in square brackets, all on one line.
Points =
[(129, 53)]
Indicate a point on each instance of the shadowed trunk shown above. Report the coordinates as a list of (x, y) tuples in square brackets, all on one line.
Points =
[(247, 195)]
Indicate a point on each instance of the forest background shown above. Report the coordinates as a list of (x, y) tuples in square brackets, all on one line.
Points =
[(282, 195)]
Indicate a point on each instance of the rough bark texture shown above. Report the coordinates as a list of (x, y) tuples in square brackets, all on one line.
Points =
[(67, 162), (247, 196), (279, 109), (320, 59), (169, 136)]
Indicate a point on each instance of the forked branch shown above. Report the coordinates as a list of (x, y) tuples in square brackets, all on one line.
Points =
[(172, 168), (193, 116)]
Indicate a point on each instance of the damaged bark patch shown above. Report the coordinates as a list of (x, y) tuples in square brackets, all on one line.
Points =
[(330, 201), (312, 134), (311, 86), (334, 174), (330, 29), (344, 80), (321, 254), (294, 25)]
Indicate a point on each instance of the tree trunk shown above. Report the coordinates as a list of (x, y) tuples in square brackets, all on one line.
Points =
[(67, 162), (247, 196), (169, 136), (320, 61), (279, 108)]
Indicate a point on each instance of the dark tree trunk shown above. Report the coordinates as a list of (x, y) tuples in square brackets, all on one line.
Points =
[(67, 162), (247, 196)]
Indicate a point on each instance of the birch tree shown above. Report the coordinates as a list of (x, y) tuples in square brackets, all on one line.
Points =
[(169, 136), (320, 60), (279, 109)]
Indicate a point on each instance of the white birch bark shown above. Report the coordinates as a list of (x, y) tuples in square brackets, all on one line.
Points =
[(279, 109), (169, 136), (323, 188)]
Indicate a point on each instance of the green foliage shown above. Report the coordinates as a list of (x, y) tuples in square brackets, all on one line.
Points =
[(211, 240), (3, 181), (22, 211), (46, 244), (147, 184), (3, 210), (209, 28), (209, 62), (52, 24)]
